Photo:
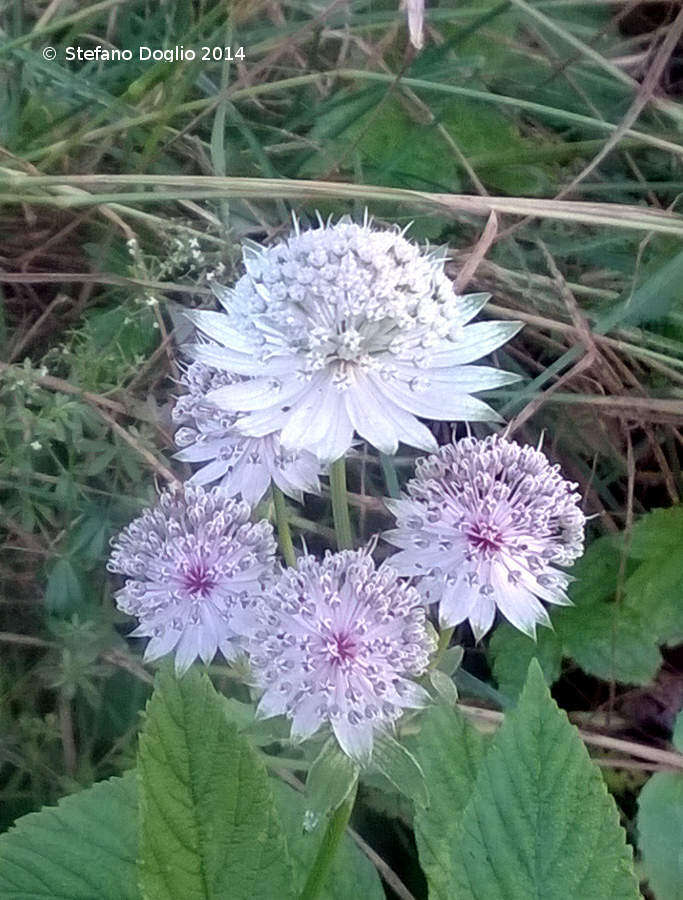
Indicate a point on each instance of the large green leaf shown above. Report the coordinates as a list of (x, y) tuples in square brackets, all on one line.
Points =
[(83, 848), (660, 830), (209, 827), (352, 875), (449, 752), (540, 822)]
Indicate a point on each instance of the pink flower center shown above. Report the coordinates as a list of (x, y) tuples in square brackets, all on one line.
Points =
[(197, 580), (342, 647), (484, 537)]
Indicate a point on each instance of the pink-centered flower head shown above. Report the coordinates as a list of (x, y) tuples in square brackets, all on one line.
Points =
[(241, 465), (347, 328), (195, 565), (485, 524), (336, 642)]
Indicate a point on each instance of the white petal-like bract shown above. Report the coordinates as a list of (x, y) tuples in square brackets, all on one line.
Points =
[(242, 466)]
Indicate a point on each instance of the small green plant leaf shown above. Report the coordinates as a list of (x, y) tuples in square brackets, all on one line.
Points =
[(451, 659), (540, 822), (444, 686), (351, 874), (85, 847), (63, 593), (399, 765), (660, 830), (209, 827), (329, 782), (449, 751), (512, 652)]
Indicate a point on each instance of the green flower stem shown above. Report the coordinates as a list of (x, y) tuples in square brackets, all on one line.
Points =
[(340, 506), (283, 532), (336, 827)]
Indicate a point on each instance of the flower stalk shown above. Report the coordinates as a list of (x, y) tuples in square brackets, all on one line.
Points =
[(284, 534), (340, 505), (334, 833)]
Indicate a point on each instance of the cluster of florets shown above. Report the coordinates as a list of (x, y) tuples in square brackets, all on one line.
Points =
[(339, 329), (484, 525), (241, 465), (348, 328), (195, 565), (337, 641)]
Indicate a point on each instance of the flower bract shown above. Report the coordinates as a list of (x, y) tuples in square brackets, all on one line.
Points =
[(241, 465), (485, 524)]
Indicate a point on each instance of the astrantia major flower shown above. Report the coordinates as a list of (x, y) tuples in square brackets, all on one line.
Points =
[(336, 642), (346, 327), (242, 465), (485, 524), (194, 565)]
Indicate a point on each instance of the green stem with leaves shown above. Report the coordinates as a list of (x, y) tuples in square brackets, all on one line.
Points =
[(340, 505), (283, 532), (318, 875)]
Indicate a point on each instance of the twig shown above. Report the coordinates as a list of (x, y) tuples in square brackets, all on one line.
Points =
[(480, 250), (491, 719), (643, 96), (146, 454)]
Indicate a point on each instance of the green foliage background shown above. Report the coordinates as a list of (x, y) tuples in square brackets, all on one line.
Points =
[(122, 186)]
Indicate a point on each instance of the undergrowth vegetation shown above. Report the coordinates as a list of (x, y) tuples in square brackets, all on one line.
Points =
[(540, 143)]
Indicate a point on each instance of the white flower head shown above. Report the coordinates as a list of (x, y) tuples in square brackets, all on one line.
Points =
[(346, 327), (241, 465), (485, 524), (336, 642), (194, 564)]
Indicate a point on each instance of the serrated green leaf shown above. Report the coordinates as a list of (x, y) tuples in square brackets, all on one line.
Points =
[(612, 642), (329, 782), (654, 592), (399, 765), (657, 533), (85, 847), (449, 751), (540, 822), (209, 827), (660, 830), (352, 875), (620, 640), (512, 652)]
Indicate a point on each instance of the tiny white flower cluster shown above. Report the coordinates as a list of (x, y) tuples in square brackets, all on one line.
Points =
[(337, 330)]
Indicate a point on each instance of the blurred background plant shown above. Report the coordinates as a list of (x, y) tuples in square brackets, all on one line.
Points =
[(127, 186)]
